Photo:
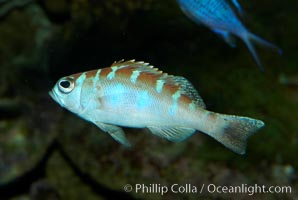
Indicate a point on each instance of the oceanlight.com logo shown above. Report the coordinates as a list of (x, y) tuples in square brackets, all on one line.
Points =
[(209, 188)]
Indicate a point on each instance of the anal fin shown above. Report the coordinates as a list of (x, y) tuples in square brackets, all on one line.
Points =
[(116, 132), (174, 134)]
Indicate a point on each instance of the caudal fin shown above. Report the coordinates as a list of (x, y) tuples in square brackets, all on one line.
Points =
[(233, 131), (249, 38)]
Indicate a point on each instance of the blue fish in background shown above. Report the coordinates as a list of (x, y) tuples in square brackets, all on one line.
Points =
[(221, 18)]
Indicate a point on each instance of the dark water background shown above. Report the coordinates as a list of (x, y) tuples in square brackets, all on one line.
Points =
[(48, 153)]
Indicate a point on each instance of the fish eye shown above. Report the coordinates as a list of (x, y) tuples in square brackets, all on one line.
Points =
[(66, 85)]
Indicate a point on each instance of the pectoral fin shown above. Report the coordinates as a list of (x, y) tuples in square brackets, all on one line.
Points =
[(174, 134), (116, 132)]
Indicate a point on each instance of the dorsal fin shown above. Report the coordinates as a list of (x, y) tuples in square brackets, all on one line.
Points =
[(178, 82), (135, 64), (189, 90), (141, 66)]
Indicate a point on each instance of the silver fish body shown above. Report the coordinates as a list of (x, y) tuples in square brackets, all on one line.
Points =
[(134, 94)]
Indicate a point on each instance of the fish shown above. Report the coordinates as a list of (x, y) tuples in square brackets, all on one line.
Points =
[(137, 95), (221, 18)]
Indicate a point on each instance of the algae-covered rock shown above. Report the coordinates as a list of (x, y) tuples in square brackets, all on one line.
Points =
[(58, 172), (21, 147)]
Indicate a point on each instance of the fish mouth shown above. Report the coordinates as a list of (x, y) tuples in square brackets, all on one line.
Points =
[(54, 96), (51, 94)]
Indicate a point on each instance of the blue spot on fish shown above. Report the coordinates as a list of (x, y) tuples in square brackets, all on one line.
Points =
[(118, 94), (143, 100), (172, 110)]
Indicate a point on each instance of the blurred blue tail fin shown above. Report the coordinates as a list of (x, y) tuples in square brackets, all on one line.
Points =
[(250, 37)]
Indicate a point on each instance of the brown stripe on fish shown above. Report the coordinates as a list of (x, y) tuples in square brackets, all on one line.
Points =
[(151, 78), (104, 72), (170, 88), (128, 72), (185, 100), (125, 71), (76, 76), (91, 74)]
